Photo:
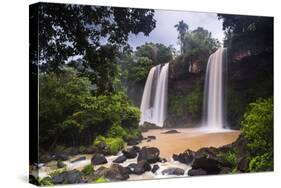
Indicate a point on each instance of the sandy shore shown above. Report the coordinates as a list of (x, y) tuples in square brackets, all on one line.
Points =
[(188, 138)]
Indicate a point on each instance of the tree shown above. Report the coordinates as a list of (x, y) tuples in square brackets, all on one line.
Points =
[(182, 28), (67, 31)]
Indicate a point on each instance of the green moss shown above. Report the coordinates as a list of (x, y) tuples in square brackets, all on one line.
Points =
[(88, 169), (230, 157), (57, 172), (101, 180), (114, 145), (47, 181)]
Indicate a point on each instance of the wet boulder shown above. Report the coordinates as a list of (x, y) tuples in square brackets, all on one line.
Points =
[(98, 159), (130, 153), (79, 159), (149, 154), (173, 131), (185, 157), (114, 173), (173, 171), (197, 172), (155, 168), (120, 159), (69, 177), (139, 168)]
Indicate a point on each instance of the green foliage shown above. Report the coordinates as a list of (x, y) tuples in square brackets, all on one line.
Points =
[(114, 145), (101, 180), (230, 157), (262, 162), (182, 28), (47, 181), (138, 71), (190, 104), (58, 171), (257, 127), (88, 169), (71, 116)]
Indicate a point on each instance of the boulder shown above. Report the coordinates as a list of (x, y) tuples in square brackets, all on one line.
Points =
[(114, 173), (61, 157), (132, 141), (61, 164), (196, 172), (173, 171), (130, 153), (225, 170), (68, 177), (210, 164), (149, 154), (171, 132), (151, 137), (139, 168), (89, 150), (120, 159), (79, 159), (185, 157), (98, 159), (155, 168)]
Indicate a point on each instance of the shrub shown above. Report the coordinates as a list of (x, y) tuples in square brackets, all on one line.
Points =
[(101, 180), (47, 181), (257, 127), (229, 157), (114, 145), (88, 169)]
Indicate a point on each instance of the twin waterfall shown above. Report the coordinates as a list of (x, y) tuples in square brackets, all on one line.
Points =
[(213, 104), (154, 100)]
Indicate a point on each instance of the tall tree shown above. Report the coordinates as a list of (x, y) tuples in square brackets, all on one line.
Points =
[(69, 31), (182, 28)]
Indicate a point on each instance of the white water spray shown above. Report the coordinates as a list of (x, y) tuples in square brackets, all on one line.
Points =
[(154, 99), (214, 103)]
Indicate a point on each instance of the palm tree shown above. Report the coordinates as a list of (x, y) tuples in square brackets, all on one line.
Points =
[(182, 28)]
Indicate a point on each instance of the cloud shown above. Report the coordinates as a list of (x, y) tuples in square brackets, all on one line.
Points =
[(166, 33)]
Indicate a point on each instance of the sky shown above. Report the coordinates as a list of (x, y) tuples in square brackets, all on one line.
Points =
[(166, 33)]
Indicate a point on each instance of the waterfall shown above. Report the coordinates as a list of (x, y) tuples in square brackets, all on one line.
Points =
[(154, 99), (214, 99)]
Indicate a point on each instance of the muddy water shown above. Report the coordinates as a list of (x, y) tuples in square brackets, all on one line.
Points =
[(188, 138)]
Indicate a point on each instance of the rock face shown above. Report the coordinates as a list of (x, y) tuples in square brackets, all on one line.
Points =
[(98, 159), (149, 154), (173, 171), (196, 172), (114, 173), (185, 157), (171, 132), (69, 177), (79, 159), (130, 153), (139, 168), (243, 164), (120, 159)]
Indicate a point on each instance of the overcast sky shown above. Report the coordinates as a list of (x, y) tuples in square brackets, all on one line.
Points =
[(166, 33)]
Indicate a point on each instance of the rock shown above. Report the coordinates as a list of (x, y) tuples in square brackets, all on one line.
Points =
[(114, 173), (60, 164), (130, 153), (61, 157), (148, 140), (146, 126), (171, 132), (139, 168), (120, 159), (132, 141), (79, 159), (155, 168), (151, 137), (243, 164), (89, 150), (136, 148), (173, 171), (208, 163), (185, 157), (71, 151), (196, 172), (69, 177), (98, 159), (149, 154), (225, 170), (163, 160)]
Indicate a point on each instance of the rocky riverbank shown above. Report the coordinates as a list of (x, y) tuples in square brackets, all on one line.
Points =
[(145, 159)]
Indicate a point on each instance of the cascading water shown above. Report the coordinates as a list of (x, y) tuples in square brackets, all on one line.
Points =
[(154, 99), (215, 79)]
